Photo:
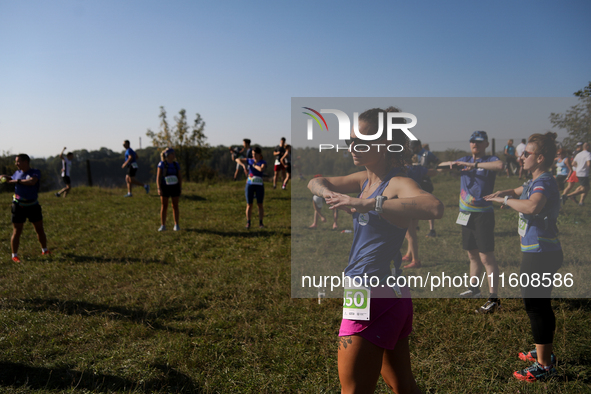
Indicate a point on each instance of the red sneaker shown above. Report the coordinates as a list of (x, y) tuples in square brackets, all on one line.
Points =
[(16, 259), (46, 253)]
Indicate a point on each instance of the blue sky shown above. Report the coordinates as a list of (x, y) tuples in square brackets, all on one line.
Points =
[(88, 74)]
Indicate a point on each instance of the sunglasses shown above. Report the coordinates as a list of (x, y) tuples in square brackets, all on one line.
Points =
[(526, 154), (358, 141)]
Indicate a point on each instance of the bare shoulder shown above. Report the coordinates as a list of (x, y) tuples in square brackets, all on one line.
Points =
[(402, 187)]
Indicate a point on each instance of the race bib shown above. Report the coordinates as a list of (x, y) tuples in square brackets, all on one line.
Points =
[(522, 225), (356, 301), (171, 180), (134, 165), (463, 218), (277, 162), (255, 180)]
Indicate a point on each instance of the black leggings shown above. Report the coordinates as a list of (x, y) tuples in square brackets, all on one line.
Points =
[(537, 299)]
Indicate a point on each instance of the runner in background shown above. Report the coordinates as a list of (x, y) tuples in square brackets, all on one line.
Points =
[(510, 159), (286, 162), (169, 183), (254, 184), (417, 173), (582, 163), (25, 205), (66, 167), (317, 203), (477, 216), (518, 152), (131, 165), (571, 178), (563, 168), (278, 167), (237, 154), (538, 203), (427, 159)]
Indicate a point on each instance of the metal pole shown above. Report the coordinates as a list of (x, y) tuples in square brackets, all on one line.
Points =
[(88, 174)]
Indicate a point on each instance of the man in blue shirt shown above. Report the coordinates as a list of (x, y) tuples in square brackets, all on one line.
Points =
[(477, 216), (25, 204), (131, 164)]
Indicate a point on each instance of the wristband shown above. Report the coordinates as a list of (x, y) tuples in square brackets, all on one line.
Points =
[(475, 164), (505, 200)]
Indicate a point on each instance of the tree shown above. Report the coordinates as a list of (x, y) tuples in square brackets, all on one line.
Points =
[(577, 120), (188, 142)]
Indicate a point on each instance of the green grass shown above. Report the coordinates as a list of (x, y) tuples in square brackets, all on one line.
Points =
[(120, 307)]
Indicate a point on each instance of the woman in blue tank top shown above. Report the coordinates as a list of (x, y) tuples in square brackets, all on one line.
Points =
[(538, 203), (563, 167), (386, 202)]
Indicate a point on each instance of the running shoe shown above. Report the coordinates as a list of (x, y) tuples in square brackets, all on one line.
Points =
[(489, 306), (176, 227), (432, 234), (57, 195), (470, 294), (532, 356), (128, 195), (16, 259), (162, 228), (283, 187), (581, 204), (535, 372), (147, 187), (46, 253), (414, 264), (248, 224)]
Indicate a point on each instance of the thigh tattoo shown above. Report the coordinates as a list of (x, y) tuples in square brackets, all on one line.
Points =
[(344, 341)]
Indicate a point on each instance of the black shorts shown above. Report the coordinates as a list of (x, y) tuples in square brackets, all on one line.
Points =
[(170, 190), (560, 179), (131, 171), (479, 233), (20, 214), (66, 180), (288, 168), (584, 181)]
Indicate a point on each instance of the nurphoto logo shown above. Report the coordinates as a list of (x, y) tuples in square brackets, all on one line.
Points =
[(345, 129)]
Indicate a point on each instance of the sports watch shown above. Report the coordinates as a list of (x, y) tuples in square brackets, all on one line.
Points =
[(379, 201)]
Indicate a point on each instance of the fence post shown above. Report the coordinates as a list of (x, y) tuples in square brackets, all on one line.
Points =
[(88, 174)]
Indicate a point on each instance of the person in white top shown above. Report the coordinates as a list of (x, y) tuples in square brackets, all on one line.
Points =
[(518, 152), (582, 162), (66, 166)]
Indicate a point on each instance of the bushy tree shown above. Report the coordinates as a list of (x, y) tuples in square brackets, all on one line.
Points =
[(577, 120), (188, 141)]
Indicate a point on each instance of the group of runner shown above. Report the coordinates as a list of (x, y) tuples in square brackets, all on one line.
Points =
[(389, 202)]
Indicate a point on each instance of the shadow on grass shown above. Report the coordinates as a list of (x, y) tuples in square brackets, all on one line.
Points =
[(192, 197), (254, 232), (503, 234), (101, 259), (577, 303), (36, 378), (87, 309)]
